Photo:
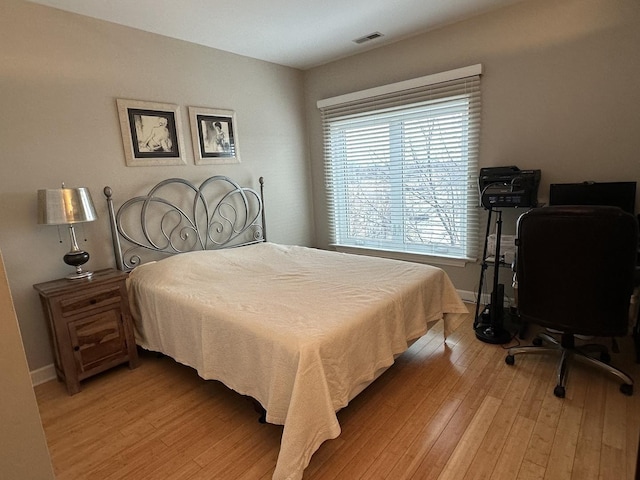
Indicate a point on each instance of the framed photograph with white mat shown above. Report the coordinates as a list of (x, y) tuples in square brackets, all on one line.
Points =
[(214, 135), (151, 133)]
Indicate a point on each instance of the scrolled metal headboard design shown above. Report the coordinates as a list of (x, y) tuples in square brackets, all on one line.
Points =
[(177, 217)]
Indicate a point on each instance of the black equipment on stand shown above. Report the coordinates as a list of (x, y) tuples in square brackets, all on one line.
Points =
[(500, 187)]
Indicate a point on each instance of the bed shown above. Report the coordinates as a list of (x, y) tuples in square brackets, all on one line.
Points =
[(300, 330)]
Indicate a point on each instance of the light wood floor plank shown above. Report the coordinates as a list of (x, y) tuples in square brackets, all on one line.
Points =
[(509, 461), (563, 449), (435, 460), (484, 462), (471, 441), (544, 431), (587, 456), (614, 445)]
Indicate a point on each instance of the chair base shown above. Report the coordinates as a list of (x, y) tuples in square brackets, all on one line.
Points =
[(570, 352)]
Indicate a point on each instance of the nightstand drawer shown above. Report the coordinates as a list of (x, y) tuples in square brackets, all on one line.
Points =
[(97, 339), (97, 299)]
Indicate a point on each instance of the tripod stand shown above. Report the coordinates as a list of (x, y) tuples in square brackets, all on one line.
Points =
[(492, 331)]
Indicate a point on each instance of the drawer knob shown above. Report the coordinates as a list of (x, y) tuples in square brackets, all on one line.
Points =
[(76, 348), (93, 301)]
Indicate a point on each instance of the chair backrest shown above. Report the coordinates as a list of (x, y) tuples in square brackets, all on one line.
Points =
[(575, 268)]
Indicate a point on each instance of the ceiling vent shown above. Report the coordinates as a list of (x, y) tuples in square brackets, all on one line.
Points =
[(367, 38)]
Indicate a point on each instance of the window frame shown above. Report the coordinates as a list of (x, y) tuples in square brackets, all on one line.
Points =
[(354, 110)]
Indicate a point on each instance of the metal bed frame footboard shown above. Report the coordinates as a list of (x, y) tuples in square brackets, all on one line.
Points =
[(177, 217)]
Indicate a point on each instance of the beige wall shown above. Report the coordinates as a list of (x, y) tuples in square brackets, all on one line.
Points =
[(23, 448), (60, 75), (560, 92)]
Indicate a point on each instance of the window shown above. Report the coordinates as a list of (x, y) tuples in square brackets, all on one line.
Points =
[(401, 166)]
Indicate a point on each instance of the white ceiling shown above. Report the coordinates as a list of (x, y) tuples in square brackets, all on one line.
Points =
[(295, 33)]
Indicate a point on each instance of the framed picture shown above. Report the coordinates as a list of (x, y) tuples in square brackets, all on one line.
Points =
[(215, 136), (151, 133)]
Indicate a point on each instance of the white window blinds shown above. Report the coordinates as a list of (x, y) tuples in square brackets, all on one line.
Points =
[(401, 165)]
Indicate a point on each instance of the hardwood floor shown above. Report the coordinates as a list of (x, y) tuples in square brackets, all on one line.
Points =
[(450, 410)]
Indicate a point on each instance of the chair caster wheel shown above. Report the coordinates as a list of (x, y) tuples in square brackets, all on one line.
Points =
[(537, 341), (605, 357), (559, 391), (509, 360), (626, 389)]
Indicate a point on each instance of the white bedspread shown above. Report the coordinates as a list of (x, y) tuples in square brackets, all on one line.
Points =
[(300, 330)]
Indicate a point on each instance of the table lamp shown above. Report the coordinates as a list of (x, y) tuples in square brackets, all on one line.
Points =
[(68, 206)]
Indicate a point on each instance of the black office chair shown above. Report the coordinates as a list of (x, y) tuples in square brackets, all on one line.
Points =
[(575, 271)]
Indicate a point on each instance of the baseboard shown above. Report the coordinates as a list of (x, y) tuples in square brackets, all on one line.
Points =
[(470, 297), (42, 375)]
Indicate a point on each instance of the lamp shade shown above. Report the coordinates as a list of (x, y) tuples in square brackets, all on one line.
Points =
[(65, 206)]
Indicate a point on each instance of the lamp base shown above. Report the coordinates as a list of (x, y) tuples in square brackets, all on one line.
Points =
[(78, 275), (76, 259)]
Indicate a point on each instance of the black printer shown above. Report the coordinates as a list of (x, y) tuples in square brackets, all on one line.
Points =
[(508, 187)]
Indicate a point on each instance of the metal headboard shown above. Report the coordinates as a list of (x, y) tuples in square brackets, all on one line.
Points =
[(177, 217)]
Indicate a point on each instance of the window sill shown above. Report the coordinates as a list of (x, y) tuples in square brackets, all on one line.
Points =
[(410, 257)]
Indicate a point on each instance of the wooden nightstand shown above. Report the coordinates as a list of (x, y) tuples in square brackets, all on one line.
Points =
[(90, 325)]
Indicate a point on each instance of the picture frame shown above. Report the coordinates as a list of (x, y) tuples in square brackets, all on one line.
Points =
[(214, 134), (151, 133)]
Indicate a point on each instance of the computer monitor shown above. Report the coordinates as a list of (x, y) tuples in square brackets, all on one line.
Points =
[(615, 194)]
